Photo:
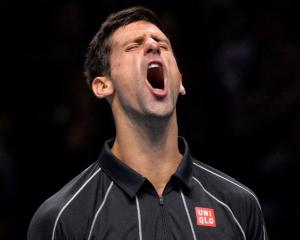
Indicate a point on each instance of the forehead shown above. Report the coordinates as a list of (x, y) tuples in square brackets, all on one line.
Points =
[(135, 29)]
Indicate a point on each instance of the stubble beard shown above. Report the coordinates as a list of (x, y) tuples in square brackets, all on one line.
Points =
[(148, 120)]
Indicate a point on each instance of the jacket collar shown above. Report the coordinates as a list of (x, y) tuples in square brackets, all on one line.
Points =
[(130, 180)]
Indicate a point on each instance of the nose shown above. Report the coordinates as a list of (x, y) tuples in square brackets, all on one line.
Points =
[(152, 47)]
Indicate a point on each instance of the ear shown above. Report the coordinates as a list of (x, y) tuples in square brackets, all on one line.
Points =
[(102, 87), (181, 88)]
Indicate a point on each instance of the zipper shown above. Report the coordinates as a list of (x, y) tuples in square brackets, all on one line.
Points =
[(161, 201), (163, 214)]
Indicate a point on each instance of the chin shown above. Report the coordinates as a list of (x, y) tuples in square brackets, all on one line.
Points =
[(160, 114)]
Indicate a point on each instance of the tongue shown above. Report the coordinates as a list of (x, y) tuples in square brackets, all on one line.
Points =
[(155, 77)]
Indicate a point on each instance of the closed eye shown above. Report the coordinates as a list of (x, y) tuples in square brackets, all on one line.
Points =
[(132, 46), (163, 43), (164, 46)]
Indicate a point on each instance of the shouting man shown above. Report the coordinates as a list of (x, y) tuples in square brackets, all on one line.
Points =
[(145, 184)]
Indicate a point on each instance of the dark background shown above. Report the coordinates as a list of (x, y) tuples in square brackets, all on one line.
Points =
[(240, 64)]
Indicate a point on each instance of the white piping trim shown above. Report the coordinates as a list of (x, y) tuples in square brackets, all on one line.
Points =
[(228, 180), (86, 169), (72, 198), (99, 209), (264, 229), (139, 217), (188, 215), (223, 204)]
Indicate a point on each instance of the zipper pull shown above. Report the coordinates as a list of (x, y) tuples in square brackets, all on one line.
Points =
[(161, 200)]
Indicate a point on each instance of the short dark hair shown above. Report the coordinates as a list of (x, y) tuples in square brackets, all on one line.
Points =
[(98, 53)]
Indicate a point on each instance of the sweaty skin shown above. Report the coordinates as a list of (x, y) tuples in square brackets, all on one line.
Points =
[(145, 117)]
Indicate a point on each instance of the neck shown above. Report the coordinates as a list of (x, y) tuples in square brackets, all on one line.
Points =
[(150, 149)]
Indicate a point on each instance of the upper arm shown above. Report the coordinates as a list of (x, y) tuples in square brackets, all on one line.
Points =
[(43, 223), (255, 229)]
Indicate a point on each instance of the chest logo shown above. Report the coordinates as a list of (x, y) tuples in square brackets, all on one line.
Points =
[(205, 217)]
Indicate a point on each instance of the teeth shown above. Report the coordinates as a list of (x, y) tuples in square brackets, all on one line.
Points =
[(153, 65)]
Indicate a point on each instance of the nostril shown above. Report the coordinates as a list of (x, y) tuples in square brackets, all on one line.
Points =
[(154, 50), (149, 50), (157, 50)]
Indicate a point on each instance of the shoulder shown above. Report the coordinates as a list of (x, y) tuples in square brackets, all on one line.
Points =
[(223, 186), (47, 218), (241, 201), (234, 196)]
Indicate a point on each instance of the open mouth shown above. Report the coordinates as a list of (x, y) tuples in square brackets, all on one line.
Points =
[(155, 75)]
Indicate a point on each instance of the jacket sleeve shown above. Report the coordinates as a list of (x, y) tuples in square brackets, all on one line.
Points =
[(43, 224), (256, 229)]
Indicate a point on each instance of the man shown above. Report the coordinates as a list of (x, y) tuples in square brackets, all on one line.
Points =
[(145, 184)]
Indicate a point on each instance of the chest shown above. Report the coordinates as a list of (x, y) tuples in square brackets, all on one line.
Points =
[(175, 216)]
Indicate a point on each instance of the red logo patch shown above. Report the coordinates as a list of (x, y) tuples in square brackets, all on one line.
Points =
[(205, 217)]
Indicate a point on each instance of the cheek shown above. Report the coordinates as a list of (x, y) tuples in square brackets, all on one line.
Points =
[(118, 73), (116, 62), (176, 75), (115, 65), (122, 79)]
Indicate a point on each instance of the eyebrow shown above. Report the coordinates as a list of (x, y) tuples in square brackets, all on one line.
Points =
[(141, 38), (161, 39)]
